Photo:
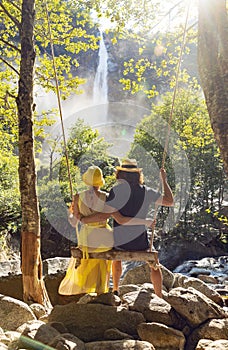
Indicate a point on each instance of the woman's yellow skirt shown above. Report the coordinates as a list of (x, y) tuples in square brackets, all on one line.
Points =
[(92, 275)]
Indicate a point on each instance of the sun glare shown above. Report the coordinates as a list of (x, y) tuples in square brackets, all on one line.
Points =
[(170, 14)]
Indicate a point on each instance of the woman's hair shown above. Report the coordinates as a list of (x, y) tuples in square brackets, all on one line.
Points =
[(130, 177)]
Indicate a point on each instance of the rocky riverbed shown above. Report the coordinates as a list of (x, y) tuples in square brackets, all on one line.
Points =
[(192, 315)]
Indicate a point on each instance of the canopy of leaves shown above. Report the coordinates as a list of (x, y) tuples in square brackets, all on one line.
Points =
[(191, 122)]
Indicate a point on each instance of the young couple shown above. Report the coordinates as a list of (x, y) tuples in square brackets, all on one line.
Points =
[(128, 203)]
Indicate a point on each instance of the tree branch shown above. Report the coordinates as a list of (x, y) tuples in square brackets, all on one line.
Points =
[(10, 45), (9, 65), (13, 19), (11, 95), (17, 7)]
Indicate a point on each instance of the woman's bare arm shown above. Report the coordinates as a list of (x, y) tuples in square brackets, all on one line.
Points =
[(118, 217), (95, 218), (127, 220)]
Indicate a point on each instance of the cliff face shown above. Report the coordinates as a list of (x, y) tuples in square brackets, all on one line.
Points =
[(123, 51)]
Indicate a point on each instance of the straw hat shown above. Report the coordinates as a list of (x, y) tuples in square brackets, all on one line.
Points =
[(93, 176), (129, 165)]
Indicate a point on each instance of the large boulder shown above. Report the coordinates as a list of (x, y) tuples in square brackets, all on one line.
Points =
[(54, 272), (141, 274), (161, 336), (13, 313), (89, 321), (37, 331), (194, 306), (214, 329), (153, 308), (186, 282), (138, 275), (205, 344)]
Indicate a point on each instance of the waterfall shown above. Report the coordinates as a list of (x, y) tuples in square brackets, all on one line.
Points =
[(100, 87)]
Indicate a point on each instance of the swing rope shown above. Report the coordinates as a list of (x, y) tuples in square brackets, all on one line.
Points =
[(59, 98), (171, 116)]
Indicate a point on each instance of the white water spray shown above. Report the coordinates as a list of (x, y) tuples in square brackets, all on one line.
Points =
[(100, 88)]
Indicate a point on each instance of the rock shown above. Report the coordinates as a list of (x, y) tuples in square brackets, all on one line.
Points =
[(205, 344), (39, 331), (33, 325), (116, 334), (4, 339), (54, 265), (186, 282), (67, 341), (44, 318), (185, 314), (129, 299), (13, 313), (106, 299), (153, 308), (138, 275), (44, 334), (88, 322), (195, 271), (213, 267), (10, 279), (54, 270), (168, 278), (10, 267), (141, 274), (86, 298), (148, 287), (126, 288), (214, 329), (186, 302), (38, 310), (161, 336), (207, 279), (9, 337), (120, 345), (58, 326), (175, 251)]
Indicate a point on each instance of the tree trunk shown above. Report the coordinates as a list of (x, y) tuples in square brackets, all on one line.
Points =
[(213, 67), (31, 263)]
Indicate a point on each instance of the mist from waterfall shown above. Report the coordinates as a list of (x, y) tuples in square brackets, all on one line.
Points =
[(100, 87)]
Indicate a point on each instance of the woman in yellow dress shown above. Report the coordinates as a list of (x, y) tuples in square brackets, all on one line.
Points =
[(92, 275)]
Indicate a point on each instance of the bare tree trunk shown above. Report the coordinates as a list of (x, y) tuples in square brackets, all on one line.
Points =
[(213, 67), (31, 263)]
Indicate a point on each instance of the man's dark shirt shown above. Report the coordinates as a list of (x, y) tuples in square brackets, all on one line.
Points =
[(131, 200)]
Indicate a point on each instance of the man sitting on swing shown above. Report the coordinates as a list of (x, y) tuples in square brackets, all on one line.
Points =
[(132, 199)]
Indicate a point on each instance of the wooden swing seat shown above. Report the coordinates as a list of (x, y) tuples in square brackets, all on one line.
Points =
[(150, 257)]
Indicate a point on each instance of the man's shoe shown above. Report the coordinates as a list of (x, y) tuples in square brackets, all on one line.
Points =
[(115, 292)]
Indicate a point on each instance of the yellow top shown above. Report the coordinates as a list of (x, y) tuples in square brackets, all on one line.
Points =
[(96, 236)]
